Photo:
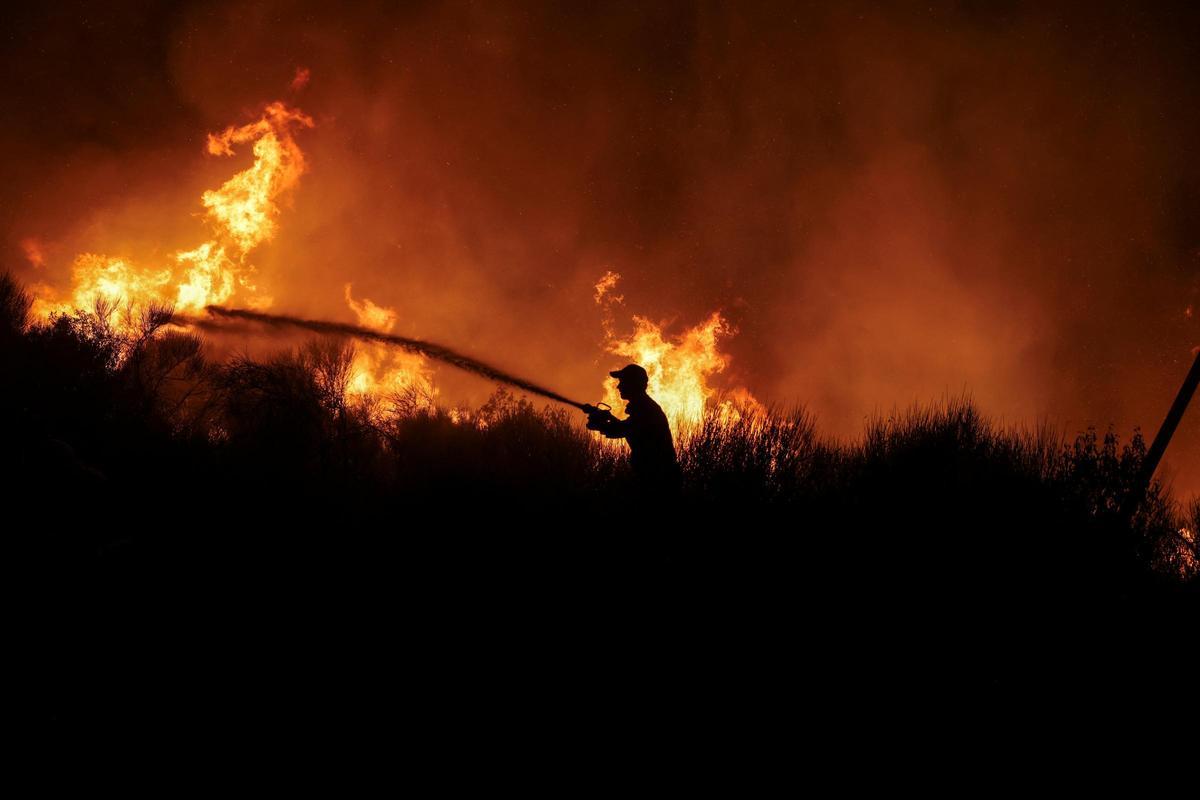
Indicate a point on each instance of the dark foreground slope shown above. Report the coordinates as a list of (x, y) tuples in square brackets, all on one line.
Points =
[(236, 545)]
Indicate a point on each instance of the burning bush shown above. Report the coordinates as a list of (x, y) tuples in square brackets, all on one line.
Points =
[(972, 551), (936, 479)]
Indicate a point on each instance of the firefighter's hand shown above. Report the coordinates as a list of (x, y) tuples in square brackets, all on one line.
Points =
[(599, 419)]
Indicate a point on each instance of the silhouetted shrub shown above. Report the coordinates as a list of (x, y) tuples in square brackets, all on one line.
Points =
[(14, 306), (113, 383), (938, 553), (931, 502)]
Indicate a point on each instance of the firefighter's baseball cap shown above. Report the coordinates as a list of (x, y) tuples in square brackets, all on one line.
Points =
[(633, 375)]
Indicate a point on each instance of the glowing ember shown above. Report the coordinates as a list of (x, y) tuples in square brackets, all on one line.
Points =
[(301, 79), (604, 289), (1187, 563)]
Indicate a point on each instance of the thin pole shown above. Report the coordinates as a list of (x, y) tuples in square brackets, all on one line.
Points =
[(1155, 453)]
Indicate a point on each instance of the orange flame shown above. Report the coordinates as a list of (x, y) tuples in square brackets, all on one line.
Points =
[(1187, 563), (379, 371), (370, 315), (244, 207), (604, 289), (242, 212), (679, 368)]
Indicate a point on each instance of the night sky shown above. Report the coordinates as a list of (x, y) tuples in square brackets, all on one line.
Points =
[(891, 202)]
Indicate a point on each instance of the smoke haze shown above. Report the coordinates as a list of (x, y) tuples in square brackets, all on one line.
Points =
[(889, 203)]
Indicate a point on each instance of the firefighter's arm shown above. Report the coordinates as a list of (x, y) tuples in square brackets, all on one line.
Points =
[(614, 428), (602, 420)]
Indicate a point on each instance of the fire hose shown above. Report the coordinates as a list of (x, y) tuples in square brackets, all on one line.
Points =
[(598, 415)]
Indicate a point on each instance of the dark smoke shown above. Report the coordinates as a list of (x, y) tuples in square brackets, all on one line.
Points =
[(890, 201), (434, 351)]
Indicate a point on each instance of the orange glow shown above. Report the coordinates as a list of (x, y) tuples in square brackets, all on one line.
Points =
[(371, 315), (210, 277), (1188, 566), (244, 207), (604, 289), (33, 252), (301, 78), (242, 213), (380, 372), (108, 280), (679, 368)]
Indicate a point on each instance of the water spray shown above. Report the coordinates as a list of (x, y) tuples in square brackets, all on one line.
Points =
[(435, 351)]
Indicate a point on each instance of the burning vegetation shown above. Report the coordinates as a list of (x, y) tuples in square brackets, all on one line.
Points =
[(104, 393), (364, 390), (679, 368), (129, 391), (243, 214)]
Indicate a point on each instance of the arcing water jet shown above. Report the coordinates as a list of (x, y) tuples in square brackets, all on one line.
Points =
[(429, 349)]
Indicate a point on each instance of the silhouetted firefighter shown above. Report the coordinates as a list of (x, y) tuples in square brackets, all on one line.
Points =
[(651, 448)]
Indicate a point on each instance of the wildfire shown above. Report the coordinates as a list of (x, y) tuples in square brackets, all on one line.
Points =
[(1187, 563), (98, 277), (679, 368), (242, 213), (244, 207), (379, 371)]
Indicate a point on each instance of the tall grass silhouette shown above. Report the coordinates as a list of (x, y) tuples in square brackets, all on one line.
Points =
[(139, 405), (936, 550)]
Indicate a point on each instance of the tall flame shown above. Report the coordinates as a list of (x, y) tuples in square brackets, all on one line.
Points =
[(244, 207), (242, 213), (679, 368), (379, 371)]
